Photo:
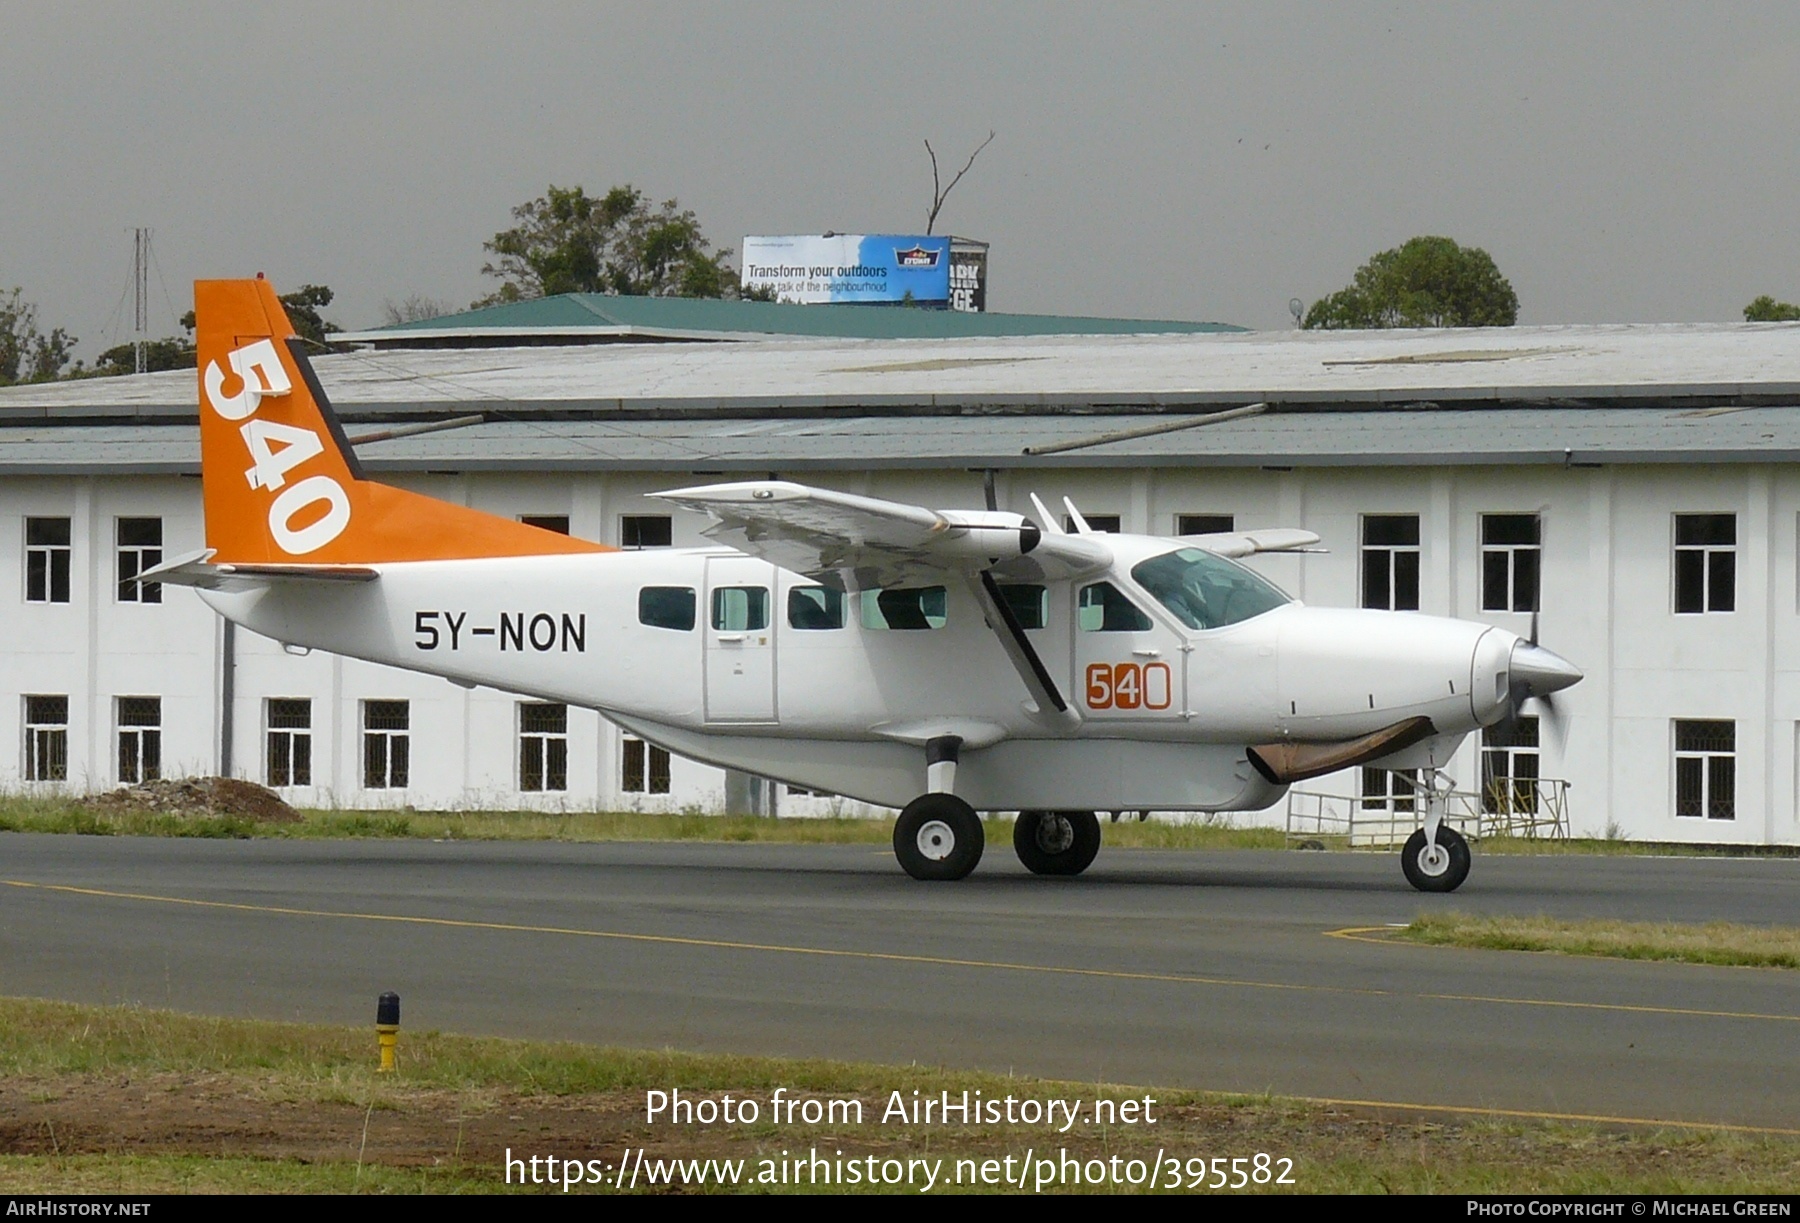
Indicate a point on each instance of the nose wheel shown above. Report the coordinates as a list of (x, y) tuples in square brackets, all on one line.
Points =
[(1056, 842), (938, 836), (1436, 868)]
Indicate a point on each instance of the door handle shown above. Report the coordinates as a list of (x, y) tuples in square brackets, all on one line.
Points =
[(729, 637), (1147, 653)]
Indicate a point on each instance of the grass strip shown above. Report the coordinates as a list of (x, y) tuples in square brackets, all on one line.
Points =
[(1726, 943), (120, 1099), (69, 815)]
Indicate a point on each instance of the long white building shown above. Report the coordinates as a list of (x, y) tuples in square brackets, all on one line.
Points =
[(1637, 484)]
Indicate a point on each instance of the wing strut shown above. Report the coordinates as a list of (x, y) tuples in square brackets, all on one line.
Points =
[(1020, 652)]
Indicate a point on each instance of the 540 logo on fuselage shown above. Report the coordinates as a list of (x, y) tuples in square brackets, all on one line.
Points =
[(276, 449), (1130, 685)]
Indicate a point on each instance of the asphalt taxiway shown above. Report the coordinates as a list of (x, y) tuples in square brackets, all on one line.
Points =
[(1222, 971)]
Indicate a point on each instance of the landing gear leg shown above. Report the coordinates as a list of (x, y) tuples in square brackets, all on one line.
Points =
[(938, 835), (1436, 857)]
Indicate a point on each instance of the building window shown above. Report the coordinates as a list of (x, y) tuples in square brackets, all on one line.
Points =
[(645, 767), (1204, 524), (1511, 549), (547, 522), (1390, 562), (46, 738), (1705, 563), (140, 548), (1706, 770), (140, 738), (1509, 767), (290, 742), (386, 745), (46, 560), (1389, 789), (646, 531), (1105, 524), (543, 746)]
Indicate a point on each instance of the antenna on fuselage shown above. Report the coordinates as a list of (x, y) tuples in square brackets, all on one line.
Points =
[(1051, 526), (1081, 526)]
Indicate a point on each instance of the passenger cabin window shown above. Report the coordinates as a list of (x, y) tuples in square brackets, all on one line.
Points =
[(815, 607), (1204, 524), (1705, 563), (1102, 609), (1390, 562), (1030, 605), (670, 607), (646, 531), (740, 609), (1204, 590), (918, 607)]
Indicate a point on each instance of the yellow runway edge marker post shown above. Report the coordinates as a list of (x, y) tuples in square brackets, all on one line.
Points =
[(387, 1029)]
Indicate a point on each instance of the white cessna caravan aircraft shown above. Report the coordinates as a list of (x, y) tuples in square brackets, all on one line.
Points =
[(940, 661)]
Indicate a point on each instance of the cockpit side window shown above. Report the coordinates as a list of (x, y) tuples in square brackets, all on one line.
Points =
[(1104, 609), (1204, 590)]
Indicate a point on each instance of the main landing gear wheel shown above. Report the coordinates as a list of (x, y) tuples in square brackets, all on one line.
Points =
[(938, 836), (1442, 871), (1056, 842)]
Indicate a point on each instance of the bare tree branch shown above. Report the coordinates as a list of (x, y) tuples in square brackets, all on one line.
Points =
[(939, 196)]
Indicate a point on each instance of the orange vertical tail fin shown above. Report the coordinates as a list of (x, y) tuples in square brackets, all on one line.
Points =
[(282, 485)]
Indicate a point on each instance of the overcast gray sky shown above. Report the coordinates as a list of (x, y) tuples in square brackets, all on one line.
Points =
[(1621, 162)]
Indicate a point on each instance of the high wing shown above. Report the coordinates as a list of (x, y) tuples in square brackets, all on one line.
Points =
[(1238, 544), (863, 543), (196, 569)]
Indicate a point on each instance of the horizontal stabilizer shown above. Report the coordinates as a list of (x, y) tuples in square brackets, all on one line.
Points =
[(196, 569), (1285, 763)]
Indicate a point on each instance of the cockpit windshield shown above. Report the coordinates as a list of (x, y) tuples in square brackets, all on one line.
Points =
[(1205, 590)]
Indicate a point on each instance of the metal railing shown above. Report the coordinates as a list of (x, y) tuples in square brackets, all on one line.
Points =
[(1537, 807)]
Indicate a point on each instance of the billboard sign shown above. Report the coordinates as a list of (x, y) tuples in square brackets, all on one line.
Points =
[(881, 269)]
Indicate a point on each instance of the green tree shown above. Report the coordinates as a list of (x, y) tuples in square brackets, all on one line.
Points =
[(1426, 282), (302, 306), (28, 354), (1766, 309), (171, 352), (567, 241)]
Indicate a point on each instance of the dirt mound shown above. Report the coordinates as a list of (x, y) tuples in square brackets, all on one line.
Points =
[(216, 796)]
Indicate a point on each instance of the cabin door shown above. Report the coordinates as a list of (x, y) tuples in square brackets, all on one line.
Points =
[(740, 640)]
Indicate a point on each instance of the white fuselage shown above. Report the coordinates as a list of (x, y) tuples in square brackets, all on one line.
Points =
[(1165, 713)]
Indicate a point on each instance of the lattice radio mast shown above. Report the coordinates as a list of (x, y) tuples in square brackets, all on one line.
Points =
[(140, 288)]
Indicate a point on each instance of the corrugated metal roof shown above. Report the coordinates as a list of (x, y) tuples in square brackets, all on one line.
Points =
[(599, 316), (1620, 364), (1441, 436)]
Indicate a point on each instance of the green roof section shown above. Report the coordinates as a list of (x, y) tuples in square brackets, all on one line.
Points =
[(571, 316)]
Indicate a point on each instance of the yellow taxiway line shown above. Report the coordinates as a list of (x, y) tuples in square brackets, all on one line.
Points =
[(896, 957)]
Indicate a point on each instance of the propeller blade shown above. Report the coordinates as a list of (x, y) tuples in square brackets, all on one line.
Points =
[(1554, 720)]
